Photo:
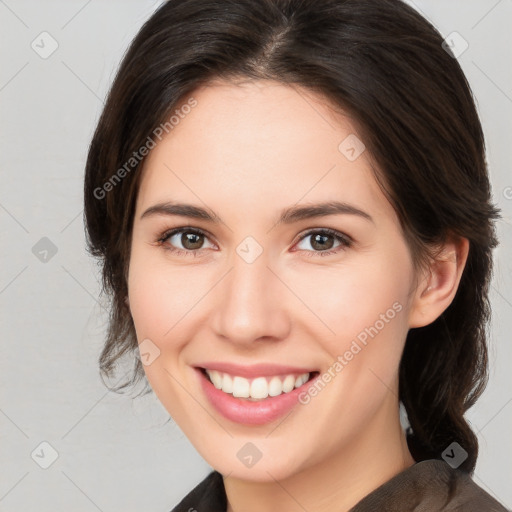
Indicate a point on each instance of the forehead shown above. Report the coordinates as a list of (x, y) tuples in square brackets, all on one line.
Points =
[(259, 119), (255, 140)]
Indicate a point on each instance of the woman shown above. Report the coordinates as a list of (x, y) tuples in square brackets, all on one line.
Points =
[(291, 203)]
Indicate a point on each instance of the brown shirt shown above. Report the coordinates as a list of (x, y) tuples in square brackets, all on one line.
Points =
[(427, 486)]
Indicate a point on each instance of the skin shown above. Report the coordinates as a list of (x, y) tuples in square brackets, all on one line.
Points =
[(246, 151)]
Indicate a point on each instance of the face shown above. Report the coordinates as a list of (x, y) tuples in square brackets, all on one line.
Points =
[(268, 300)]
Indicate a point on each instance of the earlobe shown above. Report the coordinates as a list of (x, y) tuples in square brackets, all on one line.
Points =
[(438, 287)]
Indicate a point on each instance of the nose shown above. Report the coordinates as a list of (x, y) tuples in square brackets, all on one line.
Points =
[(251, 303)]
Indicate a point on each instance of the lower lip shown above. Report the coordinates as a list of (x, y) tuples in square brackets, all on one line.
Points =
[(248, 412)]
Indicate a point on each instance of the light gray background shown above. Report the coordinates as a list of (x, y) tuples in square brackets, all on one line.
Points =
[(115, 453)]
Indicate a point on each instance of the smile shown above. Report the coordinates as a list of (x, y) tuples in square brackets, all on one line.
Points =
[(255, 395), (258, 388)]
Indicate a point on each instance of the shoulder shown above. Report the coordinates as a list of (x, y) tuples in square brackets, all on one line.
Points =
[(430, 485), (427, 486), (464, 494), (207, 496)]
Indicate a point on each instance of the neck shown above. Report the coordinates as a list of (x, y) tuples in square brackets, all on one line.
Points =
[(336, 484)]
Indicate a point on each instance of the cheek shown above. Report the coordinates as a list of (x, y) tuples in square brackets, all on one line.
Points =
[(366, 312), (364, 306), (159, 299), (165, 300), (369, 293), (148, 302), (160, 294)]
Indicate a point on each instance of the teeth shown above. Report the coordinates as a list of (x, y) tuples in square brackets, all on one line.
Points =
[(241, 387), (289, 383), (227, 383), (216, 379), (258, 388), (275, 386)]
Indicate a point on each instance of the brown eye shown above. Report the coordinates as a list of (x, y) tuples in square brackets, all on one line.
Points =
[(191, 240), (322, 241), (183, 240)]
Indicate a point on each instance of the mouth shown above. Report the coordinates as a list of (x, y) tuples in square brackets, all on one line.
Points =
[(259, 387), (253, 395)]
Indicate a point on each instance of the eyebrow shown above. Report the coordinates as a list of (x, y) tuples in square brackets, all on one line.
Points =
[(287, 215)]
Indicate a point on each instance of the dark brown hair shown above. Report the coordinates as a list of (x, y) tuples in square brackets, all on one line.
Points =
[(384, 65)]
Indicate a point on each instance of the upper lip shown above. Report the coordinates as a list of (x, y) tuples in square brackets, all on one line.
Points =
[(254, 370)]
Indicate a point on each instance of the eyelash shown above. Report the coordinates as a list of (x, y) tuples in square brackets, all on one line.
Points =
[(345, 241)]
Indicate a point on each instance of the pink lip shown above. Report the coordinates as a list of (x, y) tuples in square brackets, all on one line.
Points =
[(247, 412), (255, 370)]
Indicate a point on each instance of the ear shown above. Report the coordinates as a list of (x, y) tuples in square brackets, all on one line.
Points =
[(439, 283)]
